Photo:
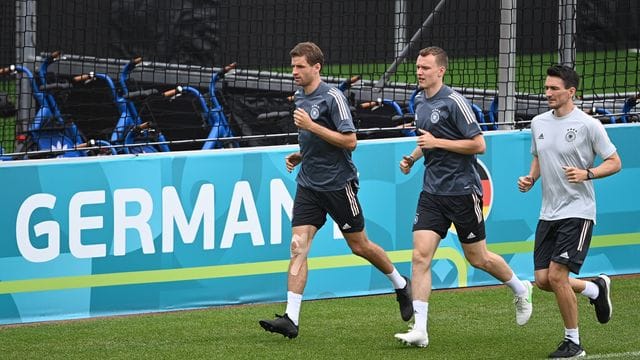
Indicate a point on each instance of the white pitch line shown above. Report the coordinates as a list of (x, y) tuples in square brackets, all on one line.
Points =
[(625, 355)]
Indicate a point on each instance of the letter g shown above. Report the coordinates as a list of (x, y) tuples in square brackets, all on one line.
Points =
[(50, 228)]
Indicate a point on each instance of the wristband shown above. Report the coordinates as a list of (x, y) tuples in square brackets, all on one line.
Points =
[(411, 159)]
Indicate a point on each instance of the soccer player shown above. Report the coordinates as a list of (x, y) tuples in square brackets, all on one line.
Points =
[(327, 184), (449, 139), (564, 143)]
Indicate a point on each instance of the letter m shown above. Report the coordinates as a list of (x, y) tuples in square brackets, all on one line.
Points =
[(173, 213)]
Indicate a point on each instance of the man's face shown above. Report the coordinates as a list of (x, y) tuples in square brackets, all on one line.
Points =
[(303, 73), (556, 93), (428, 72)]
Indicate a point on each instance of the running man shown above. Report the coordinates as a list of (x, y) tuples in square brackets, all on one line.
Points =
[(564, 143), (327, 184), (450, 138)]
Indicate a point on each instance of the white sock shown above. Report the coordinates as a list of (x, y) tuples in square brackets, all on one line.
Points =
[(420, 312), (572, 334), (591, 290), (516, 286), (398, 281), (293, 306)]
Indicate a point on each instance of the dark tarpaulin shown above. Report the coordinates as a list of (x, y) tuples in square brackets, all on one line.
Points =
[(170, 31), (247, 106), (608, 25)]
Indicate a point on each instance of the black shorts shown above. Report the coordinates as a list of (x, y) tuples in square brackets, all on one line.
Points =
[(564, 241), (437, 212), (311, 207)]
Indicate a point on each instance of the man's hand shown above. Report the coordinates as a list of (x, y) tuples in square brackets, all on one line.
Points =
[(406, 163), (525, 183), (292, 160), (575, 175), (302, 120), (426, 140)]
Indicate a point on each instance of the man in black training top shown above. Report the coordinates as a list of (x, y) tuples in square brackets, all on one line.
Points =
[(327, 184), (449, 140)]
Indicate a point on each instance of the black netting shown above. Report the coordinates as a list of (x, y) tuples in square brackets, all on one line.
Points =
[(184, 42)]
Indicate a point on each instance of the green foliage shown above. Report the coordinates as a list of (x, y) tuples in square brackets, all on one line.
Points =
[(477, 323), (7, 124), (612, 72)]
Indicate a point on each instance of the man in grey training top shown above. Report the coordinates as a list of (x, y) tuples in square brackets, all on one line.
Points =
[(564, 142), (449, 139), (327, 184)]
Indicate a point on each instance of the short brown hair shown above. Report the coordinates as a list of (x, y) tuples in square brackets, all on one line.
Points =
[(309, 50), (569, 76), (441, 56)]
